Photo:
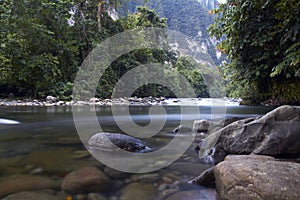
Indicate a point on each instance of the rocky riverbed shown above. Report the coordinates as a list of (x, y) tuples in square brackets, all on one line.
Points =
[(146, 101), (56, 165), (72, 174)]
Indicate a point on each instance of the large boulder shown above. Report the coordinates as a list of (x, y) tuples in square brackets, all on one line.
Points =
[(276, 134), (86, 180), (114, 141), (257, 177)]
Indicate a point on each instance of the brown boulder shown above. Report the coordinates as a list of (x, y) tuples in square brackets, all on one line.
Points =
[(86, 180), (257, 177)]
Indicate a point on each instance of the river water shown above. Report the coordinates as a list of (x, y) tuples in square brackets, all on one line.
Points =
[(46, 143)]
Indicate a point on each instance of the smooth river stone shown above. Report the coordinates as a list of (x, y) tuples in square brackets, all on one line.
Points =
[(115, 141), (22, 183), (58, 161), (139, 190), (86, 180)]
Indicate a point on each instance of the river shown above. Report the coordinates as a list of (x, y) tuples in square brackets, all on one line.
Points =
[(46, 143)]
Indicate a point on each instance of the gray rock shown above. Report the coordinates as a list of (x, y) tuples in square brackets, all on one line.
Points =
[(188, 168), (205, 125), (114, 141), (22, 183), (257, 177), (51, 99), (94, 100), (86, 180), (182, 129), (114, 173), (276, 134), (138, 190), (206, 178)]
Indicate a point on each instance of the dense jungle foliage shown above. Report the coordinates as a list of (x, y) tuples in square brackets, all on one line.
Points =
[(43, 44), (263, 46)]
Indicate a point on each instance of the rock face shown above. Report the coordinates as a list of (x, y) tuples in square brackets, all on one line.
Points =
[(276, 134), (86, 180), (114, 141), (257, 177)]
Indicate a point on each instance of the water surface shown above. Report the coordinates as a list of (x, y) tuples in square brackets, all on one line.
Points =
[(46, 143)]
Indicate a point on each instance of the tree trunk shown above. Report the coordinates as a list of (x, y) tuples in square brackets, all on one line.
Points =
[(99, 14)]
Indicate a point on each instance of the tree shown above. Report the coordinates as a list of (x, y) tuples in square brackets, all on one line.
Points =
[(35, 52), (263, 45)]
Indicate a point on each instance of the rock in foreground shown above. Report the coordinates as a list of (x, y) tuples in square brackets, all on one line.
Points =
[(275, 134), (257, 177), (86, 180)]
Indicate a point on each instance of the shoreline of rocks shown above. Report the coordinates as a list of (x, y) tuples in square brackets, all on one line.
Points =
[(132, 101)]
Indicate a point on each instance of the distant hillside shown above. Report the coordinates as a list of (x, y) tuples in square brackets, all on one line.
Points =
[(190, 17)]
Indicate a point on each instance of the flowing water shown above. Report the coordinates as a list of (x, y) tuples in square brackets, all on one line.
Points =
[(46, 143)]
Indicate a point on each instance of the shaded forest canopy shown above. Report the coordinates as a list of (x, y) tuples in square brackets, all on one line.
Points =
[(44, 43)]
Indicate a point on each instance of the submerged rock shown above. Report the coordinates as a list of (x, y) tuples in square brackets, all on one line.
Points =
[(276, 134), (257, 177), (206, 178), (115, 141), (204, 194), (86, 180), (138, 190), (22, 183), (34, 196)]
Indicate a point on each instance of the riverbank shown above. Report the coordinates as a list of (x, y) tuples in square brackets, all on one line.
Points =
[(145, 101)]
